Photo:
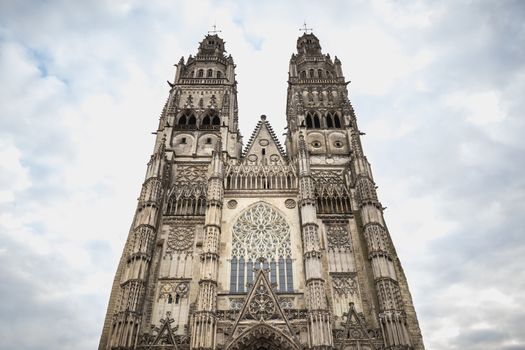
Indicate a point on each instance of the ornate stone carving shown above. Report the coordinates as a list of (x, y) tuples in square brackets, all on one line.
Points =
[(180, 238), (232, 204), (261, 232), (191, 175), (338, 237), (328, 176), (261, 306), (168, 288), (289, 203), (236, 303), (344, 284)]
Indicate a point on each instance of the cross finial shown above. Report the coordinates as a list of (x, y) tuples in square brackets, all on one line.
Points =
[(305, 29), (214, 31)]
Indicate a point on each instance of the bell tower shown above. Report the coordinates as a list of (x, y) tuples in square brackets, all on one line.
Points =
[(349, 256)]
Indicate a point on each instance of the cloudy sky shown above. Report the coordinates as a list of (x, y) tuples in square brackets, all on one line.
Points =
[(438, 87)]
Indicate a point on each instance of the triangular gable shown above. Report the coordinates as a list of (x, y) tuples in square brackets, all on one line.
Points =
[(262, 304), (165, 338), (263, 137), (355, 330)]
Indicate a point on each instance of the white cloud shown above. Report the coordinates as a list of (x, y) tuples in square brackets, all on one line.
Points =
[(84, 83)]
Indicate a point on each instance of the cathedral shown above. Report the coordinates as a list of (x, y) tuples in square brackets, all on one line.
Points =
[(258, 246)]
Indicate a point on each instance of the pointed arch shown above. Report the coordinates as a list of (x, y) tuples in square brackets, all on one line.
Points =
[(262, 335), (261, 234), (329, 120), (182, 120), (337, 121), (317, 121), (206, 120), (192, 120), (309, 121)]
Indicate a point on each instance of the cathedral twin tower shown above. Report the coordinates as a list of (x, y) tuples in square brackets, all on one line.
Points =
[(259, 247)]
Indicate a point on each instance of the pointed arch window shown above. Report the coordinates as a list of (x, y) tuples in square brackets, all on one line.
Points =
[(182, 120), (219, 74), (303, 74), (210, 73), (201, 73), (309, 121), (317, 122), (311, 73), (261, 239), (320, 73), (329, 120), (337, 121), (192, 120)]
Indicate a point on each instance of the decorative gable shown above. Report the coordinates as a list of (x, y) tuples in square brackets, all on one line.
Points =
[(262, 306), (264, 147)]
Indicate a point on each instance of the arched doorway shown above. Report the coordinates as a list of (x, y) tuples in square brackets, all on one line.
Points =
[(262, 337)]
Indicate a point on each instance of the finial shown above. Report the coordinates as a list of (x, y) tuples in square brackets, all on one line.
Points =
[(214, 31), (263, 117), (305, 29)]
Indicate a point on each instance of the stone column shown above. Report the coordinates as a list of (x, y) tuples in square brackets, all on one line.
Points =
[(204, 323), (319, 324)]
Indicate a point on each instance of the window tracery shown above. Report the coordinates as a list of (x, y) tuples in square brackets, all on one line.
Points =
[(261, 240)]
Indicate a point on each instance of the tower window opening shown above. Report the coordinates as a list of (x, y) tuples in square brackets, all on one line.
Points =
[(206, 120), (263, 151), (182, 120), (170, 299), (210, 73), (303, 74), (192, 120), (317, 122), (177, 298), (337, 122), (219, 74), (311, 73), (183, 140), (201, 73), (309, 122), (216, 120), (208, 140), (320, 73), (329, 121)]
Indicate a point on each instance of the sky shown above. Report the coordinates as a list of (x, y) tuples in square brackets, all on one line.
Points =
[(438, 88)]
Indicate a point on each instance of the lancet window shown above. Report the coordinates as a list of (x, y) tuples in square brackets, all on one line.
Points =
[(187, 120), (261, 240), (332, 120), (210, 121), (312, 121)]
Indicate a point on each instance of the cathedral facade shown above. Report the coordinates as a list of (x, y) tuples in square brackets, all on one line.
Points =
[(258, 246)]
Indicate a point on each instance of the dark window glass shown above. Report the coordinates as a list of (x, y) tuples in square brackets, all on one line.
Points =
[(329, 121), (182, 120), (233, 276), (337, 121), (309, 123), (192, 120), (289, 275), (240, 286), (249, 271), (282, 275), (273, 272), (317, 122)]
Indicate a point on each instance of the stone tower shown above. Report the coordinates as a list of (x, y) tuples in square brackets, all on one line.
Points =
[(257, 247)]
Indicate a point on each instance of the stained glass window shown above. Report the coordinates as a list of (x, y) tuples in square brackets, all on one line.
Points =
[(261, 238)]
